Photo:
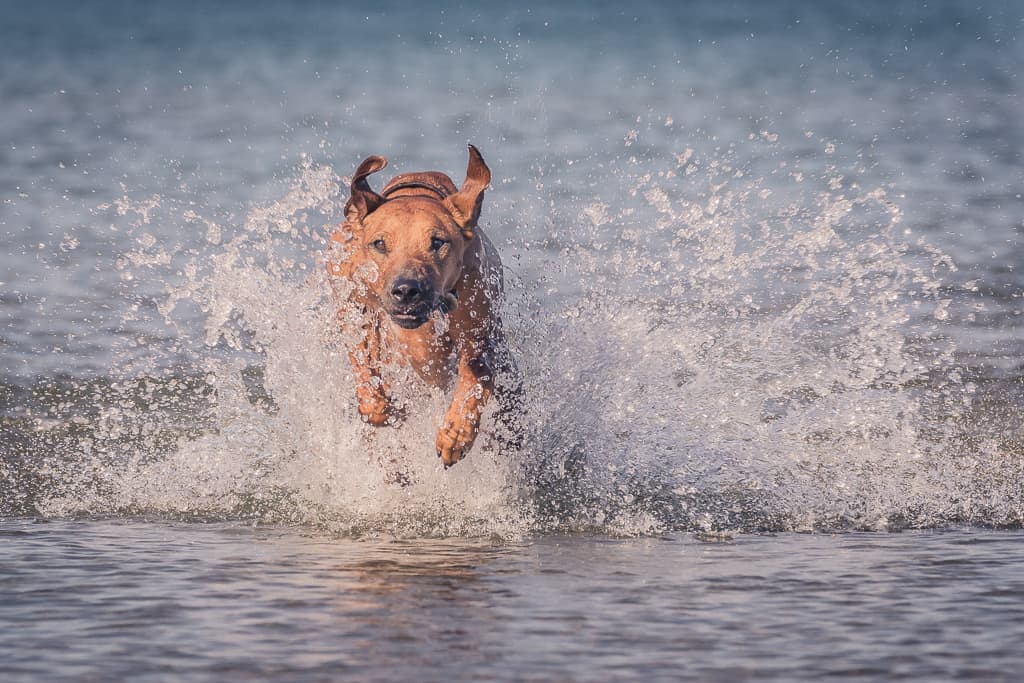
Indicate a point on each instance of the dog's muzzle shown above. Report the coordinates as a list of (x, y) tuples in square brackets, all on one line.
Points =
[(412, 302)]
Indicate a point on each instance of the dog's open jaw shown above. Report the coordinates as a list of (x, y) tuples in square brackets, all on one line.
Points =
[(412, 318)]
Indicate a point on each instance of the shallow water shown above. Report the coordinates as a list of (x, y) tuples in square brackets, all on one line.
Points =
[(119, 599), (764, 273)]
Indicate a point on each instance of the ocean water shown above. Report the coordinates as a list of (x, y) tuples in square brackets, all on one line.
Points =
[(127, 600), (763, 272)]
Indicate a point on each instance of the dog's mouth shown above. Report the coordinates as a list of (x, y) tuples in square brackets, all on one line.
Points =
[(410, 320), (411, 317)]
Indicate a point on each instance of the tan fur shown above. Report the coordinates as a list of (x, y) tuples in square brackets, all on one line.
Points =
[(392, 238)]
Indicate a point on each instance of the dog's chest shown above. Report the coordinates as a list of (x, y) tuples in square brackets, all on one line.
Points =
[(431, 354)]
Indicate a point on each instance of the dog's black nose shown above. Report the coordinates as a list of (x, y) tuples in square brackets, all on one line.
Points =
[(407, 291)]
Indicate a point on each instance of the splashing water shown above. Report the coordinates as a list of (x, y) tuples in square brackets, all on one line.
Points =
[(700, 349)]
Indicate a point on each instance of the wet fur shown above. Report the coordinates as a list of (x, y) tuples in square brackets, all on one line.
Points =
[(422, 234)]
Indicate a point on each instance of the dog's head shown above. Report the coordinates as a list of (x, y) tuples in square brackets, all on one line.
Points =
[(416, 233)]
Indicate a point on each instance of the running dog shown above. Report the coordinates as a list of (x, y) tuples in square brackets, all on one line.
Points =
[(417, 282)]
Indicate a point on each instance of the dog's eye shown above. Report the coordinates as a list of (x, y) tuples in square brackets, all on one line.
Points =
[(436, 243), (379, 245)]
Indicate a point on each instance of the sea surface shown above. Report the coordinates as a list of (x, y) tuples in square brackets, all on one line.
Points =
[(133, 600), (763, 267)]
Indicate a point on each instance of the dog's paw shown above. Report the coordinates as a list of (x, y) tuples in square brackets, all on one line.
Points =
[(454, 440), (379, 411)]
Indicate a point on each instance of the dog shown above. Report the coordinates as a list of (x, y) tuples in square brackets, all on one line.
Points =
[(417, 282)]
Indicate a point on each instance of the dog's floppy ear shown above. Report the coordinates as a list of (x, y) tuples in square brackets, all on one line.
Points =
[(465, 204), (362, 200)]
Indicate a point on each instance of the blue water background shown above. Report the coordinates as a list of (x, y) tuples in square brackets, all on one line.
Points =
[(215, 104)]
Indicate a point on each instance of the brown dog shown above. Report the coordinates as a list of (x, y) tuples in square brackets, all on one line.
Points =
[(417, 282)]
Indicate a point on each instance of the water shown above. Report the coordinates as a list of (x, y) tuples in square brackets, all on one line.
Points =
[(116, 599), (763, 268)]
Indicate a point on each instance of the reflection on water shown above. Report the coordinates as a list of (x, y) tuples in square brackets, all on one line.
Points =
[(101, 600)]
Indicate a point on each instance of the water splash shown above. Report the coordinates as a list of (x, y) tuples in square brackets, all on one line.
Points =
[(701, 348)]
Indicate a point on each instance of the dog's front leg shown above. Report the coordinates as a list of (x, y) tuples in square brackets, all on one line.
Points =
[(371, 392), (462, 421)]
